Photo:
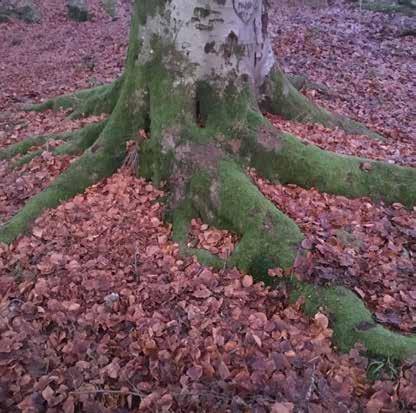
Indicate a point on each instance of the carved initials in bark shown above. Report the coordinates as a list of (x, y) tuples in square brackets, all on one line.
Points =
[(245, 9)]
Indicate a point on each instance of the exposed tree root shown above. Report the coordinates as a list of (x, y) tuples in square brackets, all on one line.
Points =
[(352, 322), (181, 221), (95, 101), (23, 147), (77, 143), (302, 82), (200, 141), (127, 100), (228, 199), (282, 98), (296, 162), (406, 8), (407, 32), (76, 138)]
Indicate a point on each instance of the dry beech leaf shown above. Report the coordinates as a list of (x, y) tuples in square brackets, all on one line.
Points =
[(321, 320)]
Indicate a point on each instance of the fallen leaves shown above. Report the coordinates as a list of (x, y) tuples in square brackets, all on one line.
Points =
[(374, 81), (17, 186), (107, 315), (101, 331), (216, 241), (366, 246)]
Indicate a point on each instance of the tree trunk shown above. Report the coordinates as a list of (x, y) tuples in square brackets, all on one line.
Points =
[(197, 75)]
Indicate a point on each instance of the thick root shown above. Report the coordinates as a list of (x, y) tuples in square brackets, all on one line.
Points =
[(101, 99), (21, 148), (295, 162), (352, 322), (406, 8), (230, 200), (78, 142), (90, 168), (300, 82), (129, 99), (282, 98), (79, 138), (25, 159)]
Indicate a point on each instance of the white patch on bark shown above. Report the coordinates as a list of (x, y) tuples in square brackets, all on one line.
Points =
[(218, 40)]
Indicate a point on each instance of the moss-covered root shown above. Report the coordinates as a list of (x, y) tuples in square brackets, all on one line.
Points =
[(292, 161), (230, 200), (300, 82), (94, 101), (81, 174), (279, 96), (405, 7), (75, 138), (352, 322), (76, 143), (97, 162)]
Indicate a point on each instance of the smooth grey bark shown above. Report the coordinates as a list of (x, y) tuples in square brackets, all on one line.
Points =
[(221, 39)]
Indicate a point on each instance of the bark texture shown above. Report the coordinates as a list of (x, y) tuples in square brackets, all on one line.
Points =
[(196, 75)]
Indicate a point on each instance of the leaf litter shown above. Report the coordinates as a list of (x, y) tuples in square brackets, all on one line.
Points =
[(99, 312)]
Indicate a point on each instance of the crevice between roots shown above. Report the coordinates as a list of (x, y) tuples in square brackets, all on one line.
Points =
[(270, 239)]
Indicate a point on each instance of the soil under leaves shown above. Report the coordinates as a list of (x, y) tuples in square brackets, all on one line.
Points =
[(98, 310)]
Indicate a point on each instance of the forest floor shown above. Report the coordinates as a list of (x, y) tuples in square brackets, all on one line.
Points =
[(98, 310)]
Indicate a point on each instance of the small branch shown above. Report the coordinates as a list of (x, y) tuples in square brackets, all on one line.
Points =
[(110, 392), (311, 387), (136, 264), (407, 32)]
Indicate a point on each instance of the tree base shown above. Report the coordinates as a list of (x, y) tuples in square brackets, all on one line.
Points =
[(202, 137)]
